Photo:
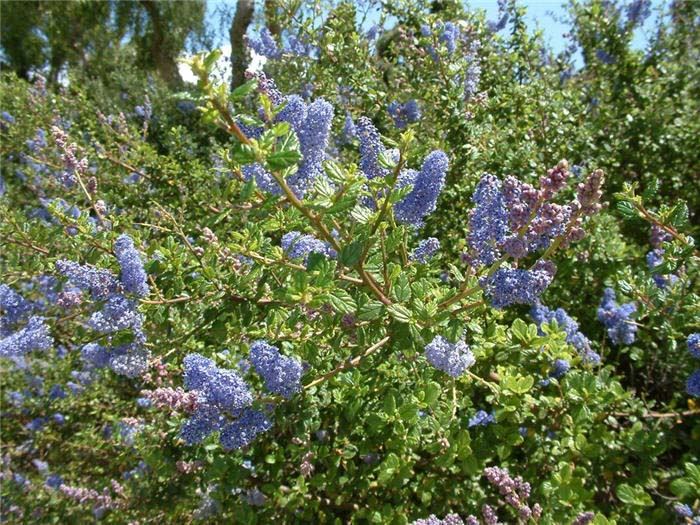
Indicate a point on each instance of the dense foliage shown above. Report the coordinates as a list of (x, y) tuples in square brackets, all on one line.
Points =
[(423, 271)]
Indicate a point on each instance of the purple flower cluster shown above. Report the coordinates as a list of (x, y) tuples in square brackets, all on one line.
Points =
[(658, 236), (515, 492), (312, 124), (133, 276), (425, 250), (404, 114), (298, 246), (427, 185), (452, 358), (692, 385), (450, 519), (101, 283), (482, 419), (517, 218), (541, 315), (518, 286), (264, 44), (656, 258), (616, 319), (35, 335), (282, 375), (222, 405), (370, 148)]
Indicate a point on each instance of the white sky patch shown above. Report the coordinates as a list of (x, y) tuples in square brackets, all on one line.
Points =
[(222, 68)]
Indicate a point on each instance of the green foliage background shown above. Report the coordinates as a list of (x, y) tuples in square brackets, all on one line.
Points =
[(390, 437)]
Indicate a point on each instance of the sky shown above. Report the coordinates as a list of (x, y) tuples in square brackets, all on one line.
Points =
[(546, 15)]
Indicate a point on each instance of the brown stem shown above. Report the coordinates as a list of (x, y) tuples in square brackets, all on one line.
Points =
[(349, 363)]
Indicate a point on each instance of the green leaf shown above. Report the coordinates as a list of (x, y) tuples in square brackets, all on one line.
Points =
[(350, 254), (633, 495), (402, 289), (243, 90), (519, 331), (341, 301), (679, 215), (400, 313), (370, 310), (280, 160), (626, 209)]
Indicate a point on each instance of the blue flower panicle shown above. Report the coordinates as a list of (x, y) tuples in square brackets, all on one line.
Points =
[(621, 329), (133, 276), (34, 336), (282, 375), (428, 184), (692, 386), (452, 358), (425, 250), (693, 344)]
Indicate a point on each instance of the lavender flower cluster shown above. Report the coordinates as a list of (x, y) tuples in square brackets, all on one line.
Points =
[(282, 375), (685, 512), (452, 358), (404, 114), (621, 329), (541, 315), (425, 250), (299, 246), (656, 258), (516, 219), (117, 312), (222, 405), (515, 492), (427, 185), (311, 123), (692, 385)]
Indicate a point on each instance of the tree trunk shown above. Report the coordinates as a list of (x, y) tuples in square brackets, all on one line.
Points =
[(160, 51), (239, 55)]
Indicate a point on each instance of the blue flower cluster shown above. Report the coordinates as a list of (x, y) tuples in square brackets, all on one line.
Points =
[(655, 258), (517, 286), (425, 250), (298, 246), (482, 419), (693, 344), (133, 276), (686, 512), (692, 386), (35, 335), (489, 221), (404, 114), (100, 283), (264, 44), (282, 375), (223, 405), (117, 312), (312, 124), (616, 319), (453, 359), (541, 315), (370, 148), (14, 308), (427, 185), (638, 11)]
